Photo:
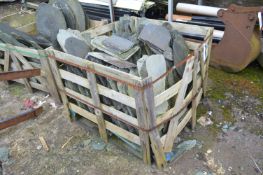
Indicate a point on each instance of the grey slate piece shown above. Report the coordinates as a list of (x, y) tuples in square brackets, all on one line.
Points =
[(154, 66), (73, 43), (122, 64), (180, 50), (98, 43), (49, 20), (118, 43), (67, 12), (157, 38), (79, 14)]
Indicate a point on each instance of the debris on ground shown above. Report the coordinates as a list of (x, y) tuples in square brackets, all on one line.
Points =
[(4, 154), (181, 149), (98, 144), (205, 121)]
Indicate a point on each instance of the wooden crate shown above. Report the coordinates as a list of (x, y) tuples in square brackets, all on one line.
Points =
[(18, 58), (187, 94)]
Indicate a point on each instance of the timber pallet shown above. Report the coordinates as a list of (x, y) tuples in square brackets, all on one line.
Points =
[(153, 145), (21, 64)]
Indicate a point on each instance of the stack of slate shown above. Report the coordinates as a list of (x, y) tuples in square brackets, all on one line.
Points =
[(59, 14), (138, 48)]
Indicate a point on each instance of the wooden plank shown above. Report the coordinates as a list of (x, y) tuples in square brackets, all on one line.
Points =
[(44, 143), (141, 116), (195, 89), (174, 110), (99, 30), (59, 83), (34, 85), (107, 92), (105, 70), (110, 126), (210, 41), (96, 101), (27, 65), (187, 77), (155, 138), (106, 108), (51, 86), (28, 28), (19, 67), (167, 94), (6, 62), (27, 52)]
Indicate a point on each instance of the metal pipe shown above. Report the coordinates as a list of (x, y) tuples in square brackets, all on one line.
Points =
[(197, 9), (111, 11), (170, 10)]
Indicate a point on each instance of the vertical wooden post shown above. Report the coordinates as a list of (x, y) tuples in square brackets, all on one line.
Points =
[(142, 121), (194, 92), (209, 41), (154, 134), (6, 62), (19, 67), (59, 83), (96, 100), (173, 126), (51, 85)]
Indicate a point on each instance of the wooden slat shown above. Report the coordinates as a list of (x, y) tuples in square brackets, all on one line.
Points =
[(27, 65), (96, 101), (33, 85), (106, 108), (194, 90), (107, 92), (51, 86), (142, 120), (187, 77), (174, 110), (167, 94), (155, 139), (6, 62), (19, 67), (110, 126), (198, 98), (27, 52), (59, 83), (117, 74), (28, 28), (101, 30)]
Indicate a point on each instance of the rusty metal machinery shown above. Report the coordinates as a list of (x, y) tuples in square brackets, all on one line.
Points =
[(241, 43)]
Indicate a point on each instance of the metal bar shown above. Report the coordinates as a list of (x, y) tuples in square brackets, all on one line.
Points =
[(170, 10), (12, 75), (20, 118), (111, 11)]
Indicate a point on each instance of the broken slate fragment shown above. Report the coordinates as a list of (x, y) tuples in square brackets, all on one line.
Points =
[(118, 44), (4, 154), (49, 20), (158, 38), (154, 66), (98, 43), (73, 43), (180, 50), (181, 149), (122, 64)]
